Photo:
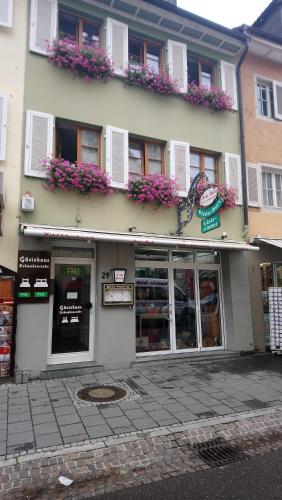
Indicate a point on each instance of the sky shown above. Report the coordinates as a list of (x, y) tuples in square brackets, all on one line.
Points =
[(227, 13)]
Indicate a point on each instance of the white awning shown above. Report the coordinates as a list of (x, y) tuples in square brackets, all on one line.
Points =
[(70, 233), (268, 241)]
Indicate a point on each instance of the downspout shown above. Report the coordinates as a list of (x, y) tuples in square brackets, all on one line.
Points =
[(242, 133)]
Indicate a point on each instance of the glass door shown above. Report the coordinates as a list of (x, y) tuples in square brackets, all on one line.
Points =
[(210, 310), (72, 311), (153, 311), (186, 336)]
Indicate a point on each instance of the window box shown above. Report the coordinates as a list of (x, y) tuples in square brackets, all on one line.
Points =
[(212, 97), (82, 177), (148, 78), (89, 62), (155, 190)]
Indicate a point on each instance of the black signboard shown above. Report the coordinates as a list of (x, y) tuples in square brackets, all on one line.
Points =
[(33, 283)]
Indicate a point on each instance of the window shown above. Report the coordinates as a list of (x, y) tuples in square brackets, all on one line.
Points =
[(77, 143), (84, 32), (264, 99), (206, 163), (272, 189), (145, 157), (200, 72), (145, 52)]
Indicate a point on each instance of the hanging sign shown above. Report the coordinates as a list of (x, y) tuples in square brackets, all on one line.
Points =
[(33, 277), (210, 223), (212, 209), (208, 196)]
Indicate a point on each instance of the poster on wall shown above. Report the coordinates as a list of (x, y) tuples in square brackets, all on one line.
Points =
[(33, 284), (7, 320)]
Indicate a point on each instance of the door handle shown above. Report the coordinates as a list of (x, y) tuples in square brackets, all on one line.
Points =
[(88, 305), (166, 311)]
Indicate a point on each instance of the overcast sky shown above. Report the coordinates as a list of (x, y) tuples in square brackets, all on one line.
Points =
[(226, 12)]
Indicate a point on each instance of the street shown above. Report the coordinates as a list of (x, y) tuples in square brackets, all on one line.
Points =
[(259, 478)]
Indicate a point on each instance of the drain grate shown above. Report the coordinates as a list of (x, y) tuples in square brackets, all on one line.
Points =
[(101, 393), (217, 452)]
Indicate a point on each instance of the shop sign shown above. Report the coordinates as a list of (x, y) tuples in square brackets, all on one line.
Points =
[(70, 315), (33, 284), (208, 196), (210, 224), (70, 271), (212, 209)]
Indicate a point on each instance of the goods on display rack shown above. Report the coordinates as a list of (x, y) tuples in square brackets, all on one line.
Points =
[(7, 320), (275, 318)]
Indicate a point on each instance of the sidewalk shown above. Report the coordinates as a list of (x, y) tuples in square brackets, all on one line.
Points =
[(40, 415)]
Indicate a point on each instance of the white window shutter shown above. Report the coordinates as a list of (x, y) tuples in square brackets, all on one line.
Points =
[(179, 156), (6, 13), (3, 125), (254, 185), (177, 63), (43, 24), (277, 98), (38, 142), (117, 44), (117, 156), (229, 81), (233, 174)]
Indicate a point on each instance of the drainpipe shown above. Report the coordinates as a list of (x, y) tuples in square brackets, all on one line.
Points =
[(242, 133)]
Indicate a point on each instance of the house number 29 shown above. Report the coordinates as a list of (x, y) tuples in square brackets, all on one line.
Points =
[(105, 275)]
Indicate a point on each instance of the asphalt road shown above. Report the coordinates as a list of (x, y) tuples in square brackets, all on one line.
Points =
[(259, 478)]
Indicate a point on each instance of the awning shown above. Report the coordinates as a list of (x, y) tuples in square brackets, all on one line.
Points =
[(268, 241), (70, 233)]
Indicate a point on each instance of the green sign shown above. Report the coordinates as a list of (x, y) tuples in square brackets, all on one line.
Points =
[(73, 271), (212, 209), (40, 294), (210, 223), (24, 295)]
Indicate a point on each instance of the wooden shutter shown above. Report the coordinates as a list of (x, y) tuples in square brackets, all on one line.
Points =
[(254, 185), (277, 99), (177, 63), (38, 143), (179, 155), (6, 13), (229, 82), (43, 24), (117, 156), (117, 44), (3, 125), (233, 174)]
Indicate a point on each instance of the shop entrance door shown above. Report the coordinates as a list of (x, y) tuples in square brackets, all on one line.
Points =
[(72, 311)]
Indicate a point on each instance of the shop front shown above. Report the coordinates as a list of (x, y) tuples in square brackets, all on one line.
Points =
[(116, 297)]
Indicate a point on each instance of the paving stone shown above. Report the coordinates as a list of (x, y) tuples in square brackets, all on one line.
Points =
[(88, 410), (144, 423), (42, 418), (46, 428), (223, 410), (62, 402), (3, 435), (72, 430), (118, 422), (98, 431), (124, 430), (136, 413), (39, 402), (112, 412), (148, 407), (185, 416), (19, 427), (64, 410), (93, 420), (76, 439), (18, 409), (58, 395), (47, 408), (128, 405), (160, 415), (46, 440), (20, 438), (68, 419), (19, 417)]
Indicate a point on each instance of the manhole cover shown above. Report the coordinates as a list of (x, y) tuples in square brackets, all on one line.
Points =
[(217, 452), (101, 393)]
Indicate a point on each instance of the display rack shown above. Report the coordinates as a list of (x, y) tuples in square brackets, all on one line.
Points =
[(275, 319)]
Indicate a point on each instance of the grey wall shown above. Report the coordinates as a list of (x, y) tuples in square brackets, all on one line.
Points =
[(115, 326), (238, 302)]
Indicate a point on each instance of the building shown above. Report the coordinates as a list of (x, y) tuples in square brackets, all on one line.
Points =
[(261, 75), (190, 289)]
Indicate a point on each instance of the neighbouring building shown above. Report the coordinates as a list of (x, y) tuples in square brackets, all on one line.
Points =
[(261, 77), (129, 280)]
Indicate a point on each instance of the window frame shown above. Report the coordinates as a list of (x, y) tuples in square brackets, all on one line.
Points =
[(200, 62), (272, 172), (145, 42), (144, 155), (202, 154), (79, 28), (78, 129), (260, 80)]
